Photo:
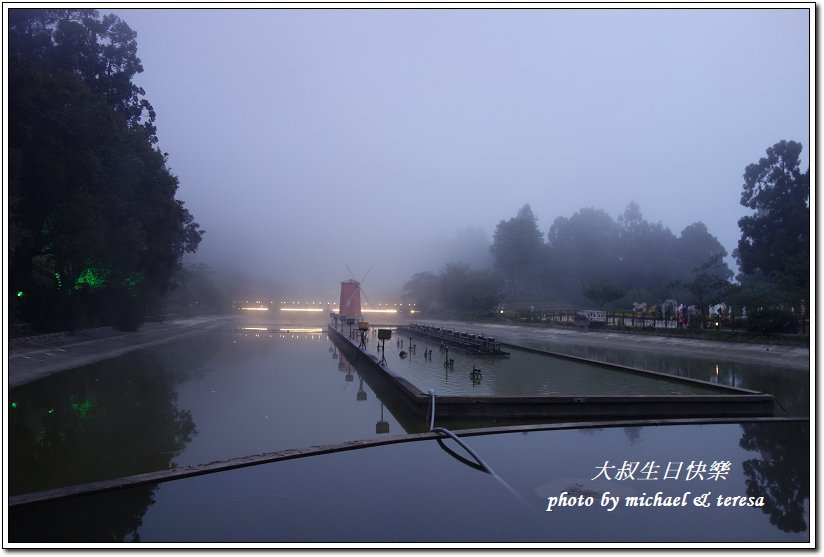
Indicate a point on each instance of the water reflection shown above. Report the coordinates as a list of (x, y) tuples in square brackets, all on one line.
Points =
[(215, 396), (113, 517), (781, 474), (103, 421), (524, 373), (304, 500), (790, 387), (382, 426)]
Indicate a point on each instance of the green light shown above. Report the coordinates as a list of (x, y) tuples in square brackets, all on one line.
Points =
[(57, 278), (51, 410), (83, 408), (14, 405), (94, 278), (19, 293)]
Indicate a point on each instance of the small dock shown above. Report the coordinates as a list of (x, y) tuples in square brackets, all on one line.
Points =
[(469, 343), (412, 405)]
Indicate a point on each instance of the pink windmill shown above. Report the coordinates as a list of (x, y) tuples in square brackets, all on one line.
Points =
[(350, 297)]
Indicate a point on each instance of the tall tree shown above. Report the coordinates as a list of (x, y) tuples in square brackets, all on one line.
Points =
[(518, 248), (457, 290), (582, 249), (706, 286), (98, 231), (466, 291), (602, 292), (101, 51), (645, 251), (695, 247), (422, 290), (775, 239)]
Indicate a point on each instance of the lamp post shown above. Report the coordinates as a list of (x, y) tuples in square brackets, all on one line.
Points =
[(383, 336)]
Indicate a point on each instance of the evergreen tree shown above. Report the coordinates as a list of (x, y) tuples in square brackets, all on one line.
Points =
[(518, 249), (775, 239), (98, 233)]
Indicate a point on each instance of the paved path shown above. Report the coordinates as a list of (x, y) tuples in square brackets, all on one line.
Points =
[(31, 358), (794, 357)]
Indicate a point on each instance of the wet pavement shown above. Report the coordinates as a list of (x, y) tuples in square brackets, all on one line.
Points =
[(35, 357)]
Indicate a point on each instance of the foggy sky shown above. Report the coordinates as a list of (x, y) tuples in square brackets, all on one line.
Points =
[(306, 140)]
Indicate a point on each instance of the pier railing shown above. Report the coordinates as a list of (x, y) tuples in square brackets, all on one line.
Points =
[(478, 344)]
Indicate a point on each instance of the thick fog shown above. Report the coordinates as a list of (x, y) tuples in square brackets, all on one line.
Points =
[(396, 140)]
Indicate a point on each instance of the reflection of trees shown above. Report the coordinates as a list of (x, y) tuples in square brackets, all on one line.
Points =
[(103, 421), (633, 434), (782, 474), (790, 389), (111, 517)]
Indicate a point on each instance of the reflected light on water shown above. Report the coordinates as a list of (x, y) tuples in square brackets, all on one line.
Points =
[(315, 330), (311, 330)]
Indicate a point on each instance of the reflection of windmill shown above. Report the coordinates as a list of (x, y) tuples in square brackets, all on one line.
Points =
[(382, 426), (361, 393), (350, 296)]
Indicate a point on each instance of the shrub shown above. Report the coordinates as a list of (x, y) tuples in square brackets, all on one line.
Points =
[(772, 320)]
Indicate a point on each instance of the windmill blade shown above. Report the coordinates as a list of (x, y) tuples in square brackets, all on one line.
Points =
[(351, 274), (367, 272), (358, 282), (361, 289), (364, 295), (349, 301)]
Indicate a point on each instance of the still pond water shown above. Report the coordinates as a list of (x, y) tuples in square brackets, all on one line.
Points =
[(247, 389), (414, 492)]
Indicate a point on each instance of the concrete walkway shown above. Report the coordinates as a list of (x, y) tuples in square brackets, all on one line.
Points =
[(31, 358)]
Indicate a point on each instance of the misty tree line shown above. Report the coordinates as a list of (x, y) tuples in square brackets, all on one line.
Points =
[(590, 259), (96, 235)]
